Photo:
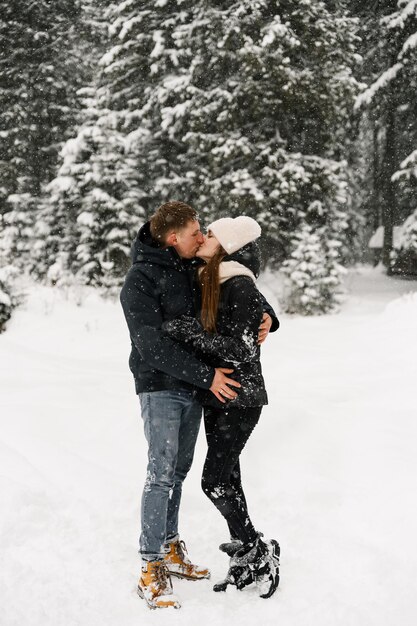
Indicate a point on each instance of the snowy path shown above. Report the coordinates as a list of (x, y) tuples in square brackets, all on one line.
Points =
[(331, 470)]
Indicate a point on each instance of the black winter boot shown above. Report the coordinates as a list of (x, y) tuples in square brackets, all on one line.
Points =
[(240, 576), (261, 561)]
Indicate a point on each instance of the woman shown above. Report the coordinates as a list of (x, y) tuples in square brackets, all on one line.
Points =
[(230, 314)]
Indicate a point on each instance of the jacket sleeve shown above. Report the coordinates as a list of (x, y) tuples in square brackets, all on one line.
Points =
[(144, 319), (267, 308), (242, 343)]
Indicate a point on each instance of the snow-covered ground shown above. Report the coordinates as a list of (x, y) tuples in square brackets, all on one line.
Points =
[(331, 470)]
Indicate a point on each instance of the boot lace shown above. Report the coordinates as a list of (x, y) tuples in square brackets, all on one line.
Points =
[(160, 575), (182, 552)]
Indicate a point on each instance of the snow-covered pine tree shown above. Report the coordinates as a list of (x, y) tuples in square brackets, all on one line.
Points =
[(94, 204), (33, 101), (105, 185), (313, 273), (91, 211), (8, 300), (57, 232), (389, 102), (205, 95), (9, 297), (110, 210), (91, 208), (147, 64), (255, 110), (236, 107), (16, 238), (404, 259), (404, 22), (43, 64)]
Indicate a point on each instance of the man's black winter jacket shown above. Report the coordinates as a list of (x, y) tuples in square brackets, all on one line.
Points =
[(159, 287)]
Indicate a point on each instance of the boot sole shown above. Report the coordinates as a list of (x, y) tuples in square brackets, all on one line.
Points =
[(153, 606), (221, 586), (272, 589), (275, 581), (177, 575), (275, 548)]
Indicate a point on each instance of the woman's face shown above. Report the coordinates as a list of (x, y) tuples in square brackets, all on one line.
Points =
[(209, 247)]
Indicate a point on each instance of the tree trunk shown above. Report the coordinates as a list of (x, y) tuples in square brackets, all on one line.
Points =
[(389, 201)]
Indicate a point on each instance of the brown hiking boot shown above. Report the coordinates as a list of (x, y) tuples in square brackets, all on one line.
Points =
[(155, 586), (179, 564)]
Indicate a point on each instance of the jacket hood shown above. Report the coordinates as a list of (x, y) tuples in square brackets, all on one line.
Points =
[(249, 256), (145, 250)]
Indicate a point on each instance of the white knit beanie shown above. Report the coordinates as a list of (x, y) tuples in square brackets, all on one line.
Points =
[(234, 233)]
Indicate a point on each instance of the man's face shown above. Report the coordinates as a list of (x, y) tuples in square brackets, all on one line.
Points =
[(187, 240)]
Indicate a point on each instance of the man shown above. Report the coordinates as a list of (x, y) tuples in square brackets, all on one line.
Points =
[(159, 287)]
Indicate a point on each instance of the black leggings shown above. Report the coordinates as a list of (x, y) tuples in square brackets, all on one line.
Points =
[(227, 431)]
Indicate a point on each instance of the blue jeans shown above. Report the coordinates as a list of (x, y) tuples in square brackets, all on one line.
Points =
[(171, 422)]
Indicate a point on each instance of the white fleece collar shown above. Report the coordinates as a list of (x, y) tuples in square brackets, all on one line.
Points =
[(228, 269)]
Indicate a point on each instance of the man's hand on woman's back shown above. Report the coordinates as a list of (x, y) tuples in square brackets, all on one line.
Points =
[(219, 385), (264, 328)]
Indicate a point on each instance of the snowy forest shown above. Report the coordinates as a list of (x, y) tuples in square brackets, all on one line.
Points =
[(300, 113)]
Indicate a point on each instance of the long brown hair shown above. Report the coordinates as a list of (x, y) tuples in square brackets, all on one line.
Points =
[(210, 290)]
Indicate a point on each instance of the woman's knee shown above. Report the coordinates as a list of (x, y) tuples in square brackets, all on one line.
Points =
[(216, 490), (212, 489)]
